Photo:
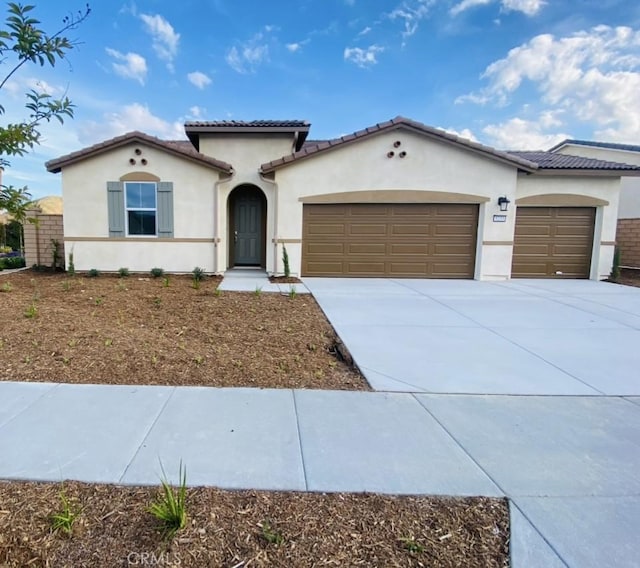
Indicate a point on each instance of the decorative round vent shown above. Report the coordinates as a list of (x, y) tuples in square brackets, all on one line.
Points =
[(143, 161), (132, 161), (402, 154), (138, 151), (397, 144), (391, 154)]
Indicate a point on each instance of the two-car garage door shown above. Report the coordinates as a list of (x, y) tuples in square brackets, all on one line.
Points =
[(390, 240)]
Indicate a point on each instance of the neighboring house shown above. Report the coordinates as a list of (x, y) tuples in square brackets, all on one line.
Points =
[(628, 234), (398, 199)]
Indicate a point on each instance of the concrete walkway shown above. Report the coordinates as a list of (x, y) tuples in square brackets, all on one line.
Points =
[(255, 279), (569, 464)]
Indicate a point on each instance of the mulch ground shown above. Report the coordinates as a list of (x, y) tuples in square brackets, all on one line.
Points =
[(628, 277), (136, 330), (249, 528)]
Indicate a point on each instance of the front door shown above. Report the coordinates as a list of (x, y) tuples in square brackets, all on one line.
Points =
[(248, 227)]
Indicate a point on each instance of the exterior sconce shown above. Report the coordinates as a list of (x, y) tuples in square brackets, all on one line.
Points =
[(503, 203)]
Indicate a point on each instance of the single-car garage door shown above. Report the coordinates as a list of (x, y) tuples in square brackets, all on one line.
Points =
[(401, 240), (553, 242)]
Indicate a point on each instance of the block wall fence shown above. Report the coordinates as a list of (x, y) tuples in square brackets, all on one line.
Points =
[(39, 237)]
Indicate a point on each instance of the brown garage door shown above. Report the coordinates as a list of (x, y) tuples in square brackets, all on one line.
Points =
[(399, 240), (553, 242)]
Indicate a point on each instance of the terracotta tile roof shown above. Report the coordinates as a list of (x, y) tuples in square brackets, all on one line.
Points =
[(299, 128), (310, 150), (553, 161), (250, 124), (594, 144), (180, 148)]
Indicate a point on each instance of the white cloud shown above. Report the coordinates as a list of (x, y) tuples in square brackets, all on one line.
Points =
[(466, 4), (521, 134), (135, 116), (196, 112), (527, 7), (411, 12), (199, 79), (165, 38), (365, 31), (363, 57), (247, 57), (133, 65), (293, 47), (464, 133), (594, 76)]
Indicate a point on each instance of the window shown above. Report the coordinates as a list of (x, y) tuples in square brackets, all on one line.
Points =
[(141, 208)]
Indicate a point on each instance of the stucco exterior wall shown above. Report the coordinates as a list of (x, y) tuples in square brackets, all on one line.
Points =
[(429, 166), (607, 189), (84, 192), (629, 207)]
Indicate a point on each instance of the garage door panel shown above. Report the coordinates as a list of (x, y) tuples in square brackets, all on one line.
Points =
[(327, 229), (553, 242), (400, 240), (366, 248)]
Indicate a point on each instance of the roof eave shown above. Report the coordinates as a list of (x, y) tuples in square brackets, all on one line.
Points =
[(583, 172)]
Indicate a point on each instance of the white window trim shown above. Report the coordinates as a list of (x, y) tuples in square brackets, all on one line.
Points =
[(127, 209)]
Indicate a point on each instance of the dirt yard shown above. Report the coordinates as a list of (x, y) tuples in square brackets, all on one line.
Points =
[(139, 330), (243, 529)]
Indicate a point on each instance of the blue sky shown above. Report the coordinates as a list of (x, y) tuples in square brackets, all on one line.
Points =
[(519, 74)]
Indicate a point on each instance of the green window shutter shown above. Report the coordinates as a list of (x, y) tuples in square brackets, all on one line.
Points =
[(165, 209), (115, 204)]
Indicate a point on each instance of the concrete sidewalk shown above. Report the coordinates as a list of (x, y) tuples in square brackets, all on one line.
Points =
[(569, 464)]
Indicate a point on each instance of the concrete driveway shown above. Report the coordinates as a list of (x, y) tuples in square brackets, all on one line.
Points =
[(569, 459), (546, 337)]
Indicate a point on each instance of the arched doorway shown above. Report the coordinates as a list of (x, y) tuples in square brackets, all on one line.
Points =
[(247, 226)]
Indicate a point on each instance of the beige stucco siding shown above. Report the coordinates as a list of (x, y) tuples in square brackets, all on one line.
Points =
[(428, 166), (629, 207), (84, 192), (601, 188)]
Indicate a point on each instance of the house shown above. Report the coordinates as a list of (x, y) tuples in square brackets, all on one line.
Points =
[(628, 234), (398, 199)]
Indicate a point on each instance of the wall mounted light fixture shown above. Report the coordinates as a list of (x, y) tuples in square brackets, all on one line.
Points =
[(503, 203)]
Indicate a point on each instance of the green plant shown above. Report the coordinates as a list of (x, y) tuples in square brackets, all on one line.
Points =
[(13, 262), (195, 284), (157, 301), (285, 262), (170, 507), (64, 519), (412, 545), (121, 286), (292, 292), (66, 285), (615, 269), (217, 292), (198, 273), (6, 287), (31, 311), (108, 342), (271, 535), (71, 267), (93, 273), (157, 272), (55, 254), (165, 282), (257, 291), (123, 272), (99, 301)]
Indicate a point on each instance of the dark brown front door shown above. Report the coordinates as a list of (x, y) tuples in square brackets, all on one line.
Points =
[(553, 242), (412, 240)]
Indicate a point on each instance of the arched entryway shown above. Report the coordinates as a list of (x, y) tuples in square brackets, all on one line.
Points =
[(247, 213)]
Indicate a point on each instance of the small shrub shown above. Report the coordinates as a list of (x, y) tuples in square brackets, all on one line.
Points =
[(12, 262), (64, 519), (71, 267), (285, 262), (93, 273), (292, 292), (170, 507), (32, 311), (6, 287), (271, 535), (5, 250), (55, 254), (195, 284), (615, 269), (198, 273), (123, 272), (157, 272)]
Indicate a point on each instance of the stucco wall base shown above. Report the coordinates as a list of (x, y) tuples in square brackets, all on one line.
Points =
[(108, 256)]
